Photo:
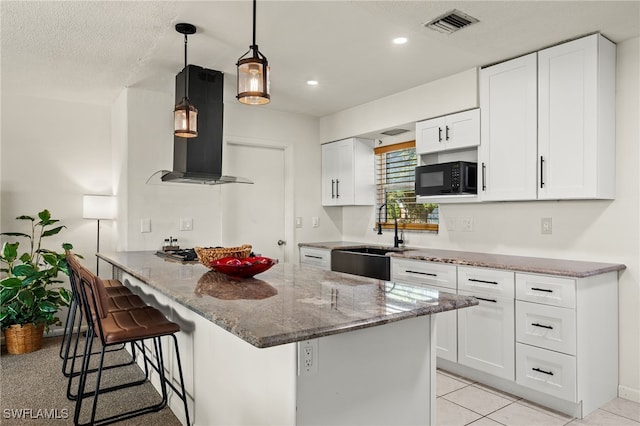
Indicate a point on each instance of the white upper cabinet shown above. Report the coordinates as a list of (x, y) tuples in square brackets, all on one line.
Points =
[(454, 131), (548, 124), (348, 173), (507, 154), (576, 119)]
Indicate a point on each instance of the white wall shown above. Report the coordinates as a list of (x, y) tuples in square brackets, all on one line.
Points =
[(604, 231), (53, 152), (149, 148)]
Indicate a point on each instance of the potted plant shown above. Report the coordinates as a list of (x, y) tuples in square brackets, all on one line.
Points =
[(28, 299)]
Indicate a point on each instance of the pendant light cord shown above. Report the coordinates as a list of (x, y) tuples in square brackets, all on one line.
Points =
[(186, 80), (254, 25)]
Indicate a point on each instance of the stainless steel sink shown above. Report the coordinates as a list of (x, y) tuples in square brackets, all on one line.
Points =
[(369, 261)]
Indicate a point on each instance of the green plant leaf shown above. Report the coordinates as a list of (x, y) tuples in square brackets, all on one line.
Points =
[(16, 234), (50, 258), (39, 292), (25, 258), (10, 251), (25, 217), (27, 298), (52, 231), (11, 282), (49, 307), (24, 270), (67, 246), (7, 294), (65, 295), (44, 215)]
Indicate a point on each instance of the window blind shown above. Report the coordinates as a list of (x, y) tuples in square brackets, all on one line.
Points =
[(395, 176)]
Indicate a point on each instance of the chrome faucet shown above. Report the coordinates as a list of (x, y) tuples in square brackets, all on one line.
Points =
[(396, 240)]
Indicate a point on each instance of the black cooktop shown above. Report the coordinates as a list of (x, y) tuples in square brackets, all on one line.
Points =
[(183, 255)]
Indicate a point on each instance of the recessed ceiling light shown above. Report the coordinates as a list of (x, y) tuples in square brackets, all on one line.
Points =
[(400, 40), (312, 82)]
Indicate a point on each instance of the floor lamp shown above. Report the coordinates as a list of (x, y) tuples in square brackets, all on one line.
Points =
[(99, 207)]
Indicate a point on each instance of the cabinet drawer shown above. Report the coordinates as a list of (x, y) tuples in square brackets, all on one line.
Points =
[(548, 327), (554, 291), (421, 272), (315, 257), (487, 281), (546, 371)]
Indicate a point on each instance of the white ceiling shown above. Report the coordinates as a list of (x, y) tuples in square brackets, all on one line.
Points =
[(88, 51)]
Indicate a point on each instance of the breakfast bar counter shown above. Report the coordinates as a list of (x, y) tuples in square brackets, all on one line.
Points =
[(295, 344)]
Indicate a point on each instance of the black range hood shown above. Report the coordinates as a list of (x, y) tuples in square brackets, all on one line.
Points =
[(199, 159)]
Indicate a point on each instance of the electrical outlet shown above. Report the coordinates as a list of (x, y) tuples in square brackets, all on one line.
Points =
[(145, 225), (315, 221), (186, 224), (298, 222), (546, 226), (308, 357), (466, 224)]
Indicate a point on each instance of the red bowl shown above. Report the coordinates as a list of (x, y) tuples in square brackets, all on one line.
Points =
[(245, 267)]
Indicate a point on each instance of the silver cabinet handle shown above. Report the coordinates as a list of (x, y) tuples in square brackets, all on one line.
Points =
[(333, 195), (541, 171), (337, 188)]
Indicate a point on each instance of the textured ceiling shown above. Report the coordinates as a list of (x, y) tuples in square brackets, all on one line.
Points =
[(88, 51)]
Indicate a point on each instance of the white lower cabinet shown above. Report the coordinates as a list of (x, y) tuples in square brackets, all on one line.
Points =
[(550, 339), (485, 335), (441, 277), (314, 256)]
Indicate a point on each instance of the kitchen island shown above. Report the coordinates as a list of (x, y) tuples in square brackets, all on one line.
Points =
[(296, 345)]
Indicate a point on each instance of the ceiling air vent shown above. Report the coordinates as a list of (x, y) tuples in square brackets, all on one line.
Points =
[(451, 22), (393, 132)]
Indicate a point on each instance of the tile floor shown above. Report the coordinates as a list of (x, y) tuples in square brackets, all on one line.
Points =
[(464, 402)]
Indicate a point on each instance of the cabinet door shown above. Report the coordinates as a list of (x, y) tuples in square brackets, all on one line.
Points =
[(345, 173), (508, 149), (462, 130), (314, 256), (576, 141), (447, 335), (486, 335), (430, 135), (329, 174)]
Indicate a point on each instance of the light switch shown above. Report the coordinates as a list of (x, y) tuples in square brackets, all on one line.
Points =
[(186, 224), (145, 225), (315, 221), (298, 222)]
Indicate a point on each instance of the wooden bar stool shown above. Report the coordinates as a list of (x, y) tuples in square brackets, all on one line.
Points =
[(120, 327)]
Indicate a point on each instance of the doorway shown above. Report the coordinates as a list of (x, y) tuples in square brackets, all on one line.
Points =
[(255, 213)]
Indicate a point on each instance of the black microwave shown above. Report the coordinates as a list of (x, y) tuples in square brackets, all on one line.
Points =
[(458, 177)]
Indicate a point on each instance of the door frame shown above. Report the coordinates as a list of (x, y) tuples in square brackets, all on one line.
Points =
[(289, 231)]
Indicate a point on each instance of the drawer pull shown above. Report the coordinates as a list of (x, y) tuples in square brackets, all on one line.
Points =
[(546, 290), (486, 300), (550, 373), (542, 326), (313, 257), (482, 281), (421, 273)]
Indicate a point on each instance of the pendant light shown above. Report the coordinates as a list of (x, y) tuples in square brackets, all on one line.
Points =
[(253, 73), (185, 115)]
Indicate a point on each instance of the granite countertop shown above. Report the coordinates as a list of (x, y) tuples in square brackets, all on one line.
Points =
[(535, 265), (288, 303)]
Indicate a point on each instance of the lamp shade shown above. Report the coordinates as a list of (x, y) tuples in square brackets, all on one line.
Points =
[(99, 207)]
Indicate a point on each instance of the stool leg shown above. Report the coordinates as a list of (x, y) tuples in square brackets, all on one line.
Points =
[(184, 393), (68, 329)]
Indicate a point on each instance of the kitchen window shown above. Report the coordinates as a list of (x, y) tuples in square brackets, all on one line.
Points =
[(395, 175)]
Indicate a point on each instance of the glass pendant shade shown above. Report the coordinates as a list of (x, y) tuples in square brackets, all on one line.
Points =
[(185, 119), (253, 80)]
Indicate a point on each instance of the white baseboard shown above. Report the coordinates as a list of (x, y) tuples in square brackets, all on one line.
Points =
[(629, 393)]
